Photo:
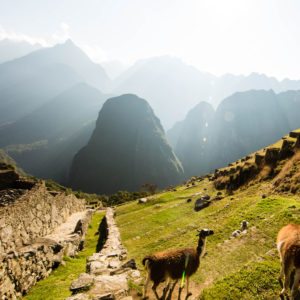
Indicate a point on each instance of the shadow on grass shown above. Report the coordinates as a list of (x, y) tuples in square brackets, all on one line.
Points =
[(103, 234)]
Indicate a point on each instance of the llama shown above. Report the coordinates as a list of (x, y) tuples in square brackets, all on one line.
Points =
[(175, 264), (288, 245)]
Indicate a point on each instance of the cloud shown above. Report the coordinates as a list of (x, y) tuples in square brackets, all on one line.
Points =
[(19, 37), (62, 34), (57, 37)]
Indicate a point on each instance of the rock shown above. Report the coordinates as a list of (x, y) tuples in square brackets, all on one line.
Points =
[(200, 204), (83, 283), (236, 233), (205, 197), (114, 264), (107, 296), (78, 297), (130, 264), (294, 134), (96, 267), (110, 284), (272, 155), (142, 200)]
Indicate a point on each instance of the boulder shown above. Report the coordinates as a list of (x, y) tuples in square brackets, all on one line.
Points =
[(116, 284), (83, 283), (142, 200), (201, 203)]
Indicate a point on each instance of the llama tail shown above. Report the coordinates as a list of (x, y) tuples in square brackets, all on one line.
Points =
[(146, 260)]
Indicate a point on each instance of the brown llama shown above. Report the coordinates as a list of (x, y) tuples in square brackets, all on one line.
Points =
[(175, 264), (288, 245)]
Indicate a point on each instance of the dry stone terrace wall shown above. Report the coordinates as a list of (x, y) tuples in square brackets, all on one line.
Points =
[(34, 214), (36, 231)]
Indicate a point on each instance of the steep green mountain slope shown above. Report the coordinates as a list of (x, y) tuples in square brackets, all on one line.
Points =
[(244, 267), (127, 149)]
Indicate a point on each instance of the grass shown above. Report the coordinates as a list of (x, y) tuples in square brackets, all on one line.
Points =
[(249, 263), (56, 286)]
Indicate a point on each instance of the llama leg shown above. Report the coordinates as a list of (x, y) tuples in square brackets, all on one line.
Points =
[(146, 286), (171, 290), (281, 275), (287, 274), (154, 290), (296, 284), (166, 288), (187, 287), (179, 292)]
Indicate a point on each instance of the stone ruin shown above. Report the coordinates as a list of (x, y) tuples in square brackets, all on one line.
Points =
[(107, 272), (232, 177), (36, 231)]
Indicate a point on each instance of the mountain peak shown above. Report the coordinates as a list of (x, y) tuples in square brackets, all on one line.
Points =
[(128, 139)]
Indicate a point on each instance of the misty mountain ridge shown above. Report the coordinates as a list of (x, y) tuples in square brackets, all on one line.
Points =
[(173, 87), (66, 53), (48, 102), (242, 123), (12, 49)]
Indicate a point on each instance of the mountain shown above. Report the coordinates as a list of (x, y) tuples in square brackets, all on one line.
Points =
[(67, 54), (113, 68), (193, 140), (30, 93), (245, 122), (173, 87), (54, 132), (127, 149), (28, 82), (242, 123), (11, 49), (57, 119), (228, 84), (170, 85)]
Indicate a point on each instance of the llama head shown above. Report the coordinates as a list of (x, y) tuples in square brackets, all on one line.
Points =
[(203, 233)]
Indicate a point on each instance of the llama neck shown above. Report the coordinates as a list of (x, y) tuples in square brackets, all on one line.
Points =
[(201, 246)]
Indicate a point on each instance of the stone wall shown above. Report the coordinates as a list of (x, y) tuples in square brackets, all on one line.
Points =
[(108, 273), (36, 231), (35, 214)]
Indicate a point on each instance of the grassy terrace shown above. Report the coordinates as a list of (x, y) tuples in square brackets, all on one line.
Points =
[(56, 286), (246, 267)]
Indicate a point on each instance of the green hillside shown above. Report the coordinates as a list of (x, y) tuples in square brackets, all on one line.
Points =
[(245, 267)]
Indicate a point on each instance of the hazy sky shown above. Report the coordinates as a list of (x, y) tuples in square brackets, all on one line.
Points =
[(218, 36)]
